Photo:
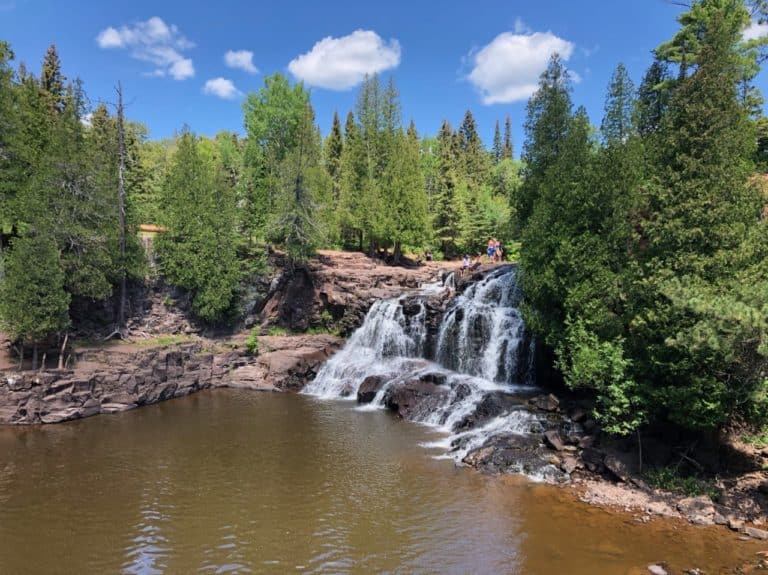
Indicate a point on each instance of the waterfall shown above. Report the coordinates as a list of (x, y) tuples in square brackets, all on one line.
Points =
[(466, 383)]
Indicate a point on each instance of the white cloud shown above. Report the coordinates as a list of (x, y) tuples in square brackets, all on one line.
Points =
[(155, 42), (342, 63), (755, 30), (222, 88), (508, 68), (86, 119), (241, 59)]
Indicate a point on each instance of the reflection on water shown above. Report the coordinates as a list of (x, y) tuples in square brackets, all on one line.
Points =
[(241, 482)]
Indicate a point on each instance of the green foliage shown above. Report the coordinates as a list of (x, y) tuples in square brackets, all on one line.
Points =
[(33, 302), (252, 343), (644, 258), (670, 479), (198, 251)]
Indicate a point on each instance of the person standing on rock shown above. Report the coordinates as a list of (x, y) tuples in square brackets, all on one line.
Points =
[(491, 250)]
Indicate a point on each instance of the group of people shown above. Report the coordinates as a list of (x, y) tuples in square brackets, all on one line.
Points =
[(495, 253)]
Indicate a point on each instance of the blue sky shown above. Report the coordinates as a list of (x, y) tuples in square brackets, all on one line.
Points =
[(446, 56)]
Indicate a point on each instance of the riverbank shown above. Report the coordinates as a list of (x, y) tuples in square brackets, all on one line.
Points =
[(329, 299)]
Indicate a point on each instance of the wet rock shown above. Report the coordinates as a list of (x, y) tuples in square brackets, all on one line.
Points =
[(552, 437), (577, 414), (513, 453), (434, 377), (617, 468), (414, 397), (586, 441), (492, 405), (735, 524), (546, 402), (370, 386), (756, 533), (657, 569), (570, 464), (698, 510), (593, 459)]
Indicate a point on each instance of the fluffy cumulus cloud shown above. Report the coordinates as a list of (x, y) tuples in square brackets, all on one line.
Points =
[(222, 88), (508, 68), (342, 63), (241, 59), (155, 42), (756, 30)]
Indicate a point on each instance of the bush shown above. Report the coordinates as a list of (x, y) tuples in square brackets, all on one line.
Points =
[(252, 343)]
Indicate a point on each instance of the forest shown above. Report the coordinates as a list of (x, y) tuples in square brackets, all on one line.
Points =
[(643, 241)]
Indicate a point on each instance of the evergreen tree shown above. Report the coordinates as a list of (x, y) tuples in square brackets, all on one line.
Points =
[(507, 152), (652, 98), (33, 302), (52, 82), (354, 175), (197, 252), (334, 147), (498, 150), (618, 126), (445, 218), (546, 124), (694, 332)]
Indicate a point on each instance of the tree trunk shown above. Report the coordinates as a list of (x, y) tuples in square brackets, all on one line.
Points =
[(121, 205), (34, 356), (21, 356), (397, 254), (360, 239), (61, 352)]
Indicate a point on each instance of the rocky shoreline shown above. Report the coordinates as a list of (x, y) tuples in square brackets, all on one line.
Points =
[(564, 446), (119, 379)]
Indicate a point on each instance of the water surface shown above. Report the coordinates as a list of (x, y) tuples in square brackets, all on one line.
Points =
[(241, 482)]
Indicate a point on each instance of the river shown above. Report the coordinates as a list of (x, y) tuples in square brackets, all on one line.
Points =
[(232, 481)]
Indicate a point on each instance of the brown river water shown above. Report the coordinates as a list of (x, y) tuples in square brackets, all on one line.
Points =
[(241, 482)]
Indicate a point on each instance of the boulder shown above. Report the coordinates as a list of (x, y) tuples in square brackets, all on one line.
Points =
[(756, 533), (552, 438), (370, 386), (414, 397), (577, 414), (493, 404), (657, 569), (570, 464), (617, 468), (546, 402), (698, 510)]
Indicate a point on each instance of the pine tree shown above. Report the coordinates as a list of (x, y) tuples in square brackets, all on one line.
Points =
[(197, 252), (618, 126), (52, 82), (473, 155), (546, 124), (498, 150), (334, 147), (652, 98), (8, 136), (445, 218), (354, 174), (508, 152), (33, 302), (695, 344)]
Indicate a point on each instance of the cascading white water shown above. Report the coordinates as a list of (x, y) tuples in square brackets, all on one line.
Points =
[(380, 346), (481, 349), (482, 331)]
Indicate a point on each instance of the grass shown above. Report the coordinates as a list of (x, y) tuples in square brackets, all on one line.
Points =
[(276, 330), (163, 340), (670, 479), (758, 440)]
